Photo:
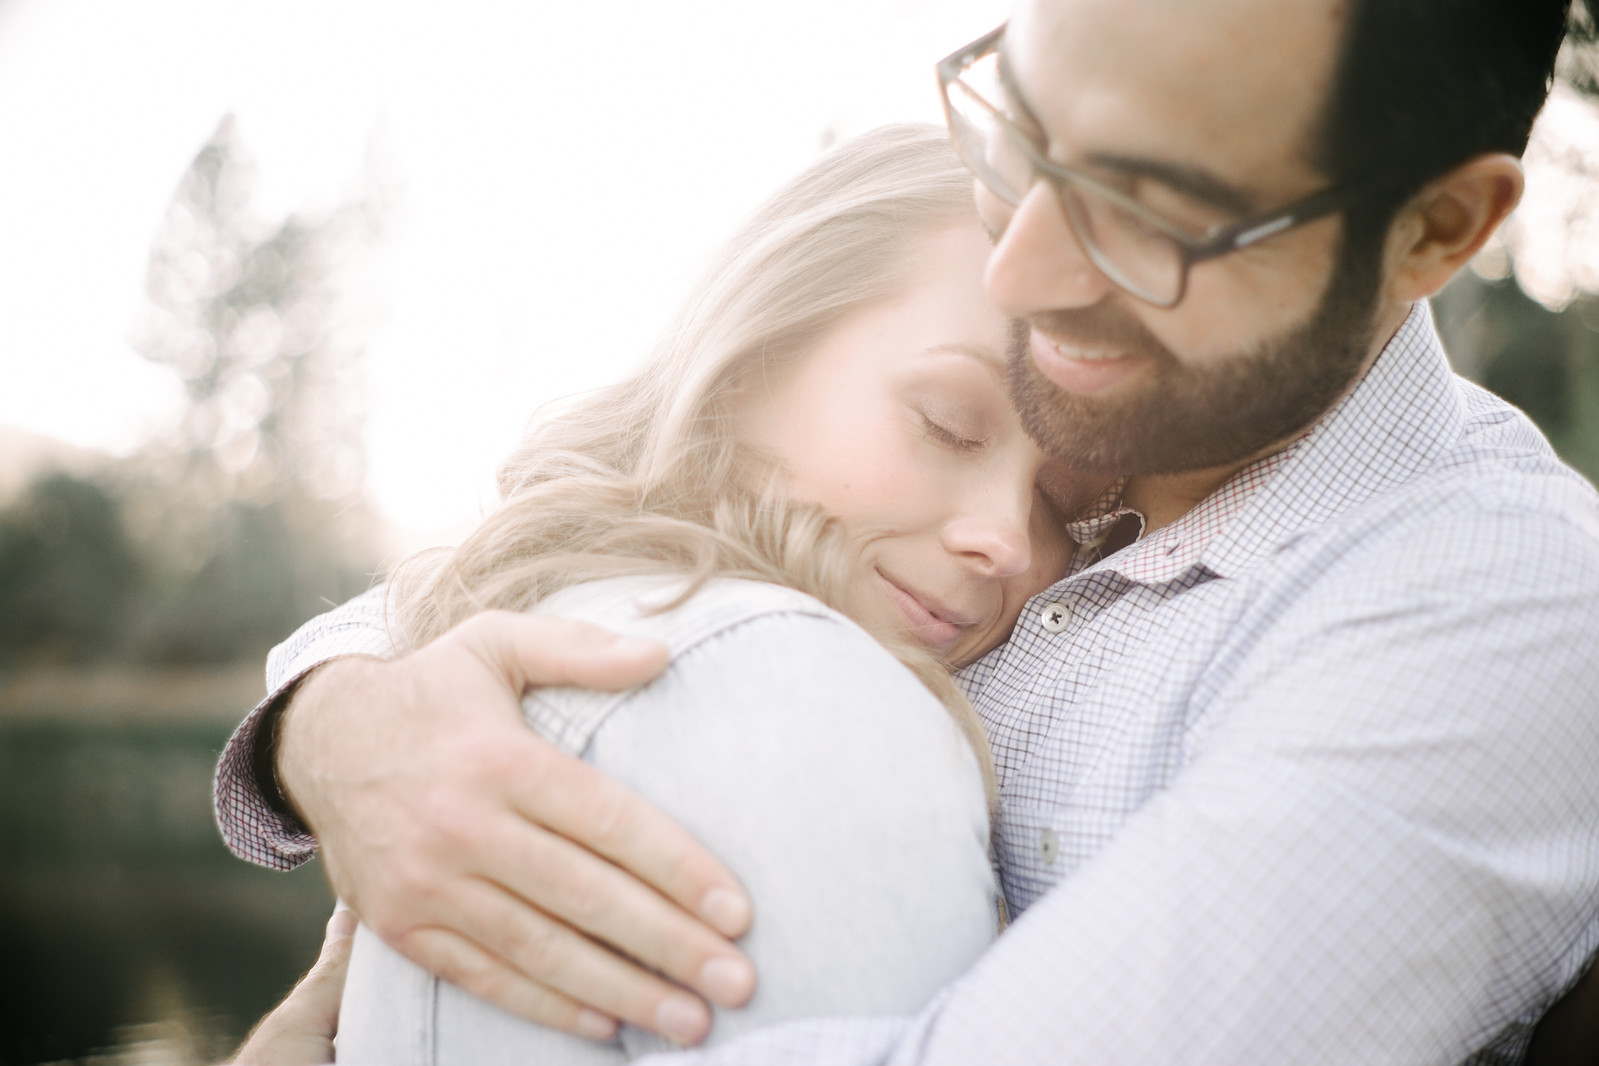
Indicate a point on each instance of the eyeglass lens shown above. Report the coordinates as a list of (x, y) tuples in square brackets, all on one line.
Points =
[(1134, 253)]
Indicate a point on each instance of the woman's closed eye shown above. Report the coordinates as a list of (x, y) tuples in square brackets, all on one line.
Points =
[(949, 437)]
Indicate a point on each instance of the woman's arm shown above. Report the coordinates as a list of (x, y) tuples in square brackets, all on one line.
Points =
[(826, 777), (840, 793)]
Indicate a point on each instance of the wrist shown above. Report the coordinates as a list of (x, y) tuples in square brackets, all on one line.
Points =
[(294, 724)]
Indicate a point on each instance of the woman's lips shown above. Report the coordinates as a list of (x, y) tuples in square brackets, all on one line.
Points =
[(1081, 370), (932, 629)]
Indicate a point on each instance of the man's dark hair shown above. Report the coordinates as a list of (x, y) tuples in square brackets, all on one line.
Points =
[(1424, 85)]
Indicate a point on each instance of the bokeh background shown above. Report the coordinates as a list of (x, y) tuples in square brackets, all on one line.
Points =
[(283, 281)]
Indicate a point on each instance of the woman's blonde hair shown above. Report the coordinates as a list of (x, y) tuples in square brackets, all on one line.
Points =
[(648, 476)]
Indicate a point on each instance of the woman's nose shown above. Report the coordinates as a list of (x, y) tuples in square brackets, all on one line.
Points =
[(993, 538), (1038, 263)]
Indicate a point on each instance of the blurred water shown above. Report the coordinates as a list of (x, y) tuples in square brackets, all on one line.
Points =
[(128, 934)]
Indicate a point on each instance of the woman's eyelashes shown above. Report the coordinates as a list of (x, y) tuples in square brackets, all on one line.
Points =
[(949, 437)]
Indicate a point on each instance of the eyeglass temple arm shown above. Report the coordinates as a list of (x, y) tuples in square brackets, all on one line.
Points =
[(1253, 230)]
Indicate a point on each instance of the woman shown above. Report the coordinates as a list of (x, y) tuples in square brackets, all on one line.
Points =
[(824, 448)]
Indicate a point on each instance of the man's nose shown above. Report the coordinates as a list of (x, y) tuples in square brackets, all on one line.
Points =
[(1038, 263)]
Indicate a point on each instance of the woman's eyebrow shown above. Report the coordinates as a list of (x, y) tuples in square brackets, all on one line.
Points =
[(989, 357)]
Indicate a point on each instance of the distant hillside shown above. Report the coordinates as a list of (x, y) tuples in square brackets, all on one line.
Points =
[(25, 455)]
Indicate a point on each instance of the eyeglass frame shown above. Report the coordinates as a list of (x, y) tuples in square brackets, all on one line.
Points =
[(1233, 237)]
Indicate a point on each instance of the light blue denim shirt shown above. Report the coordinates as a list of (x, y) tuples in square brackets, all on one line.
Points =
[(843, 797)]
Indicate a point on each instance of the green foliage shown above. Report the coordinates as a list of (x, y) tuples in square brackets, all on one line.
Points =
[(67, 570), (1579, 59), (75, 587), (245, 518), (1545, 362)]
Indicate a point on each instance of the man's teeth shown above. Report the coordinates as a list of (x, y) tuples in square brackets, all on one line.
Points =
[(1083, 354)]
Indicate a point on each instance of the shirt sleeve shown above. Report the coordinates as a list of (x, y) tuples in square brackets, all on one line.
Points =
[(1383, 846), (254, 827)]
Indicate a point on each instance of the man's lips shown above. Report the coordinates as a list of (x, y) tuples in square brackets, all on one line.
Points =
[(1083, 369), (930, 622)]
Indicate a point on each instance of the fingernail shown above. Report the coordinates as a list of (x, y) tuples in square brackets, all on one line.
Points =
[(341, 925), (727, 980), (595, 1026), (683, 1018), (727, 910)]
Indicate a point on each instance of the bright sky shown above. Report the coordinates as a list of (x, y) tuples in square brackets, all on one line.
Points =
[(562, 167)]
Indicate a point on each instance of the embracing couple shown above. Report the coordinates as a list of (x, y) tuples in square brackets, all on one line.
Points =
[(1272, 725)]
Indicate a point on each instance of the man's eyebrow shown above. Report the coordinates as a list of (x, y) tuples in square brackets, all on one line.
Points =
[(989, 357), (1014, 100), (1192, 181)]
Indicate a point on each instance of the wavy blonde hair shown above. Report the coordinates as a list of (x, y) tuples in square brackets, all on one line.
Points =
[(648, 476)]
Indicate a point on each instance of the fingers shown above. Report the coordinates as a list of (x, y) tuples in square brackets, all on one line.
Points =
[(579, 890), (584, 805), (574, 800), (314, 1002), (575, 968), (538, 650), (334, 961), (463, 963)]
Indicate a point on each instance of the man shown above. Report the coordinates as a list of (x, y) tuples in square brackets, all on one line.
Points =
[(1298, 766)]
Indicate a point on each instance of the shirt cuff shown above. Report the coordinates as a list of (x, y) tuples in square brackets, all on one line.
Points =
[(256, 823), (254, 828)]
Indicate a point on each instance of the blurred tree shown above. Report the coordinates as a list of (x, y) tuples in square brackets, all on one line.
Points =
[(223, 534), (1579, 58), (1524, 322), (67, 572), (1544, 361), (250, 508), (244, 310)]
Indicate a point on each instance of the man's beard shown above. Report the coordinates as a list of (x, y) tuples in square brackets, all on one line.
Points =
[(1188, 417)]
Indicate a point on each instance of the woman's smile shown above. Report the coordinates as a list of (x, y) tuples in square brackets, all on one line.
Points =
[(899, 423), (927, 620)]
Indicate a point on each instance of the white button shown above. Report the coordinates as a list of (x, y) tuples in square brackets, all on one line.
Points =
[(1049, 847), (1054, 617)]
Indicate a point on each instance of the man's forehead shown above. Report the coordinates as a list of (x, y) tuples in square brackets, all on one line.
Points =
[(1238, 85)]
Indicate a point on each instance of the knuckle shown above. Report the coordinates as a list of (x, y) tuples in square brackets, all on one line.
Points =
[(415, 885), (486, 981), (536, 950), (487, 756), (683, 874), (586, 893), (474, 972), (446, 821), (612, 818), (393, 929)]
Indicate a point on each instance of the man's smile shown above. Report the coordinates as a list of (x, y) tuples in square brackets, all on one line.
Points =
[(1083, 370)]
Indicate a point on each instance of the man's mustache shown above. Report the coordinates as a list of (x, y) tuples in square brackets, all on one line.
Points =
[(1090, 328)]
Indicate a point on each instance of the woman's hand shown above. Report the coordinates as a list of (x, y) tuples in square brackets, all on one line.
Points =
[(490, 858), (299, 1031)]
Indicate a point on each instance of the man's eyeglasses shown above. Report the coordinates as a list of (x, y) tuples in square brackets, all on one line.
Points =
[(1143, 253)]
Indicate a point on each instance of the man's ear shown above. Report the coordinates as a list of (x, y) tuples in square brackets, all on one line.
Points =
[(1443, 226)]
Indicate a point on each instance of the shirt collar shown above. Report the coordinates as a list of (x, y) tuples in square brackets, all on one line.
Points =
[(1392, 424)]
